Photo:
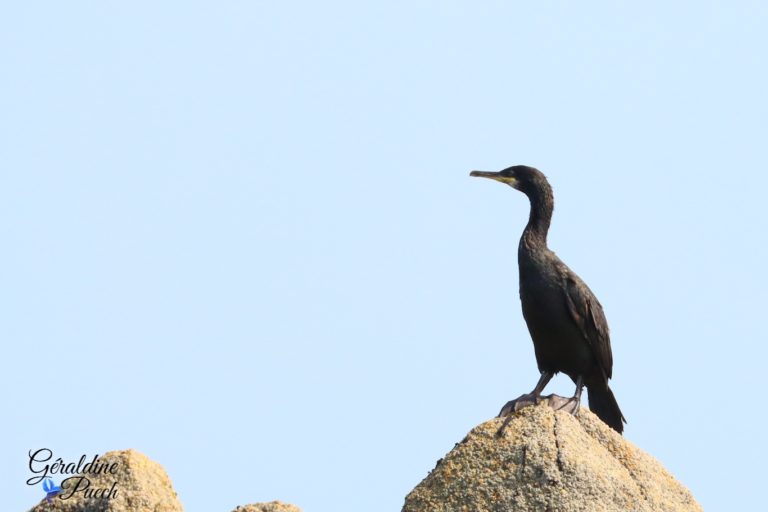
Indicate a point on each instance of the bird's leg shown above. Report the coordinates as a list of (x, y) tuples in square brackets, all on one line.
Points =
[(543, 381), (527, 399), (573, 403), (531, 398)]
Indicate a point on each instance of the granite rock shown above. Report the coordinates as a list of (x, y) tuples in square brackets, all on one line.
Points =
[(138, 485), (551, 461), (272, 506)]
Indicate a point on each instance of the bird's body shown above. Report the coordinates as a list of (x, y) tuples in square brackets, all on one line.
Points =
[(565, 319), (559, 345)]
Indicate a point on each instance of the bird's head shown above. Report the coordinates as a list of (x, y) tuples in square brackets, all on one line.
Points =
[(521, 177)]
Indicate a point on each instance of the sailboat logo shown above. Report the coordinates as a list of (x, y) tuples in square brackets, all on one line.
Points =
[(50, 488)]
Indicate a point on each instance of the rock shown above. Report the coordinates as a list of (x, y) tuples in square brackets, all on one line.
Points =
[(141, 485), (272, 506), (548, 460)]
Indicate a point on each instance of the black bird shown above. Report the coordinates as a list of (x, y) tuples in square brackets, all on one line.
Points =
[(565, 319)]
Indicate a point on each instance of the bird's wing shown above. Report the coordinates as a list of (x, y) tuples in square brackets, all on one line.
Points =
[(588, 314)]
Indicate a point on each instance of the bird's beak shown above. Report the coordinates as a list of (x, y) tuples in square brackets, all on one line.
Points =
[(509, 180)]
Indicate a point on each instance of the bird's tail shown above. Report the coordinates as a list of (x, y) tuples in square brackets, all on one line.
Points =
[(604, 405)]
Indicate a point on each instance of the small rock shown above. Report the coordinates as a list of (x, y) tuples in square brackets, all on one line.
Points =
[(141, 485), (272, 506)]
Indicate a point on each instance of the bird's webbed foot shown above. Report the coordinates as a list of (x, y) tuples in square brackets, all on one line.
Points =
[(518, 403), (572, 404), (532, 398), (569, 405), (511, 407)]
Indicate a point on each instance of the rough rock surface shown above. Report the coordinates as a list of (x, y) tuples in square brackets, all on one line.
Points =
[(550, 461), (142, 486), (272, 506)]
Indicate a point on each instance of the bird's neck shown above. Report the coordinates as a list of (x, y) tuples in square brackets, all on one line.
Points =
[(542, 205)]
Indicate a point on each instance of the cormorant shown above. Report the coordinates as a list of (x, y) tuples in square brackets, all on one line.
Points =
[(565, 319)]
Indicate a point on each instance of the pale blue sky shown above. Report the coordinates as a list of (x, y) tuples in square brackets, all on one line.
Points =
[(241, 238)]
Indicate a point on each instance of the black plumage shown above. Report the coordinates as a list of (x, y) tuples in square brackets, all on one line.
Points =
[(565, 319)]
